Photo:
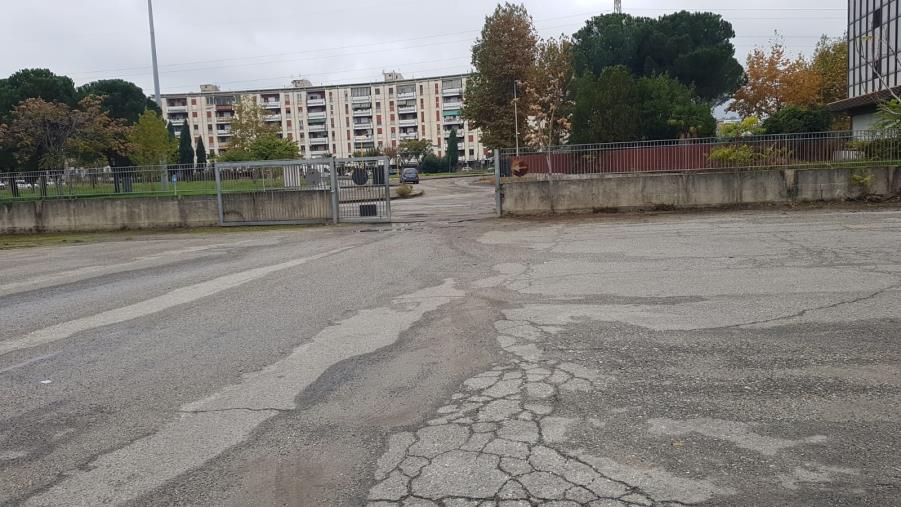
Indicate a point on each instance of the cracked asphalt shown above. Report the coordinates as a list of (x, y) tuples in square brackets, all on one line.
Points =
[(729, 358)]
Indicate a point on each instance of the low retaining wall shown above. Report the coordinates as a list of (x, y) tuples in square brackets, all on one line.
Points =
[(695, 189), (109, 214)]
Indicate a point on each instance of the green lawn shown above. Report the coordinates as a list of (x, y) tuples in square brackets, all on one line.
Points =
[(140, 189)]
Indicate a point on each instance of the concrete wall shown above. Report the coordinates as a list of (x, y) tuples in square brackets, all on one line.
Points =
[(694, 189), (76, 215)]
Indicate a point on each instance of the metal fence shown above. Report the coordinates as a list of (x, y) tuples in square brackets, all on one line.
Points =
[(821, 149), (137, 181)]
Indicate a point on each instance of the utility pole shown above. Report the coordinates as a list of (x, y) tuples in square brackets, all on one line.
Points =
[(164, 173), (516, 115), (618, 6), (156, 70)]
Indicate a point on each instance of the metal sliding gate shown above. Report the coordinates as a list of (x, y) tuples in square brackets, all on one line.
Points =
[(364, 192), (305, 191)]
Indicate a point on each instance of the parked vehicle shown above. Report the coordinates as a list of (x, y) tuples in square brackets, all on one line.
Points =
[(409, 175)]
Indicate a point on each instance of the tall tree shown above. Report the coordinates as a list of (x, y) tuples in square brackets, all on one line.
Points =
[(693, 47), (185, 149), (149, 140), (49, 135), (830, 62), (247, 125), (26, 84), (453, 150), (35, 84), (200, 149), (775, 81), (502, 56), (549, 86), (121, 99), (607, 108), (670, 110)]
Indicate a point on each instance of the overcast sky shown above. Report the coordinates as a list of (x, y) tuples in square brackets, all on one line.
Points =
[(265, 43)]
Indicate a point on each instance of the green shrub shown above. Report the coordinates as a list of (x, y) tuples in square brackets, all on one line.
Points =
[(732, 155)]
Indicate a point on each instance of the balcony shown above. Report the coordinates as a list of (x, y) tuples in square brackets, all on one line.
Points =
[(406, 95), (271, 104), (319, 115), (406, 110), (177, 109), (318, 140), (313, 102), (408, 135), (363, 139), (223, 133), (407, 123), (366, 99), (316, 127), (272, 117), (225, 119), (177, 122), (457, 104), (225, 107), (367, 125), (362, 112), (453, 120), (452, 92)]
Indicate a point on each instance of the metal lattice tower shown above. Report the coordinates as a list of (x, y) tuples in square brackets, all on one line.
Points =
[(618, 6)]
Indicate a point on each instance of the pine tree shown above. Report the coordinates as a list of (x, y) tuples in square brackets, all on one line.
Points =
[(201, 152), (185, 150), (453, 150)]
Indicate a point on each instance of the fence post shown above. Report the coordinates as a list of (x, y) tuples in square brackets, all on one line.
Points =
[(387, 170), (498, 196), (219, 194), (333, 174)]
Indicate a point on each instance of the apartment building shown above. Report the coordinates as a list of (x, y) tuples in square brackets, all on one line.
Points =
[(873, 60), (341, 119)]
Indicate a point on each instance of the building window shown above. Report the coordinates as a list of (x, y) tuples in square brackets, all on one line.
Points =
[(378, 119), (194, 114), (391, 90), (290, 136), (193, 102), (196, 127), (421, 90), (378, 106), (289, 123), (393, 131), (436, 88), (391, 118), (472, 152), (211, 140), (209, 114), (391, 106), (379, 130), (421, 103), (437, 104), (437, 115), (378, 91), (334, 149), (877, 18), (470, 138)]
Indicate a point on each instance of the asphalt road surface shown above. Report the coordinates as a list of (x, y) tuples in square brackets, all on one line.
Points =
[(746, 358)]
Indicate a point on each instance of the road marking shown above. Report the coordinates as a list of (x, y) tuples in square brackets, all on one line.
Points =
[(29, 362), (176, 297), (80, 273), (208, 427)]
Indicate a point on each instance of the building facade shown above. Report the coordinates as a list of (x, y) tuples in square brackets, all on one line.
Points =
[(340, 119), (874, 69)]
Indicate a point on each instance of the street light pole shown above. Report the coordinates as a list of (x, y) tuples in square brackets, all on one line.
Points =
[(156, 70), (516, 116)]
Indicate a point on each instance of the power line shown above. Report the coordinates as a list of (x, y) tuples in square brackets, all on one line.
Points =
[(169, 67)]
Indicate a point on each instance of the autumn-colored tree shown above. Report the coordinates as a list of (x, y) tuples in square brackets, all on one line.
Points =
[(50, 135), (548, 88), (775, 81), (503, 57)]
